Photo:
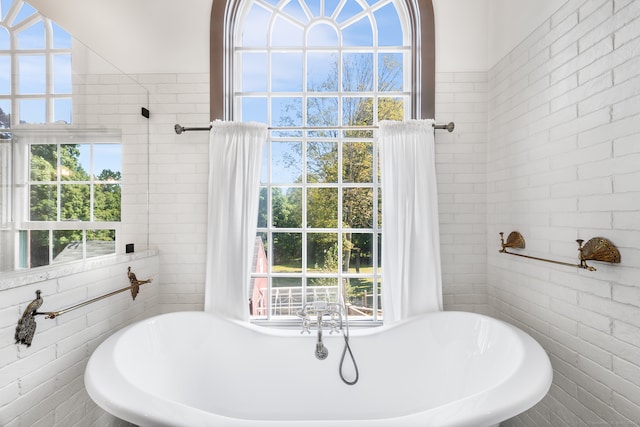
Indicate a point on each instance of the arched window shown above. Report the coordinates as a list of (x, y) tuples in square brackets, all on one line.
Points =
[(322, 74), (224, 15), (35, 67)]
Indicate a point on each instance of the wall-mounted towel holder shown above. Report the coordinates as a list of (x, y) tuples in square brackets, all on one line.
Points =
[(26, 327), (596, 249)]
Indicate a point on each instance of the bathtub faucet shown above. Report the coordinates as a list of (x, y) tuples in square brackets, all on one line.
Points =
[(320, 309)]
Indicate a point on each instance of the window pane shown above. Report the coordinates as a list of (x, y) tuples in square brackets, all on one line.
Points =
[(286, 162), (32, 37), (357, 162), (287, 207), (359, 33), (349, 9), (322, 111), (254, 110), (43, 202), (107, 202), (67, 245), (286, 296), (322, 71), (75, 202), (294, 10), (322, 207), (322, 35), (359, 295), (357, 111), (4, 39), (75, 162), (255, 27), (32, 111), (322, 289), (61, 39), (254, 72), (390, 108), (43, 162), (286, 111), (357, 207), (263, 203), (387, 18), (286, 34), (287, 253), (31, 74), (322, 162), (357, 72), (107, 162), (6, 6), (5, 74), (390, 75), (358, 253), (5, 114), (260, 254), (62, 73), (286, 72), (330, 7), (101, 242), (322, 253), (62, 110), (37, 250)]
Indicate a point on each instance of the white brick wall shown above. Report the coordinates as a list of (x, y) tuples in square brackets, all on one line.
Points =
[(461, 175), (178, 185), (43, 385), (563, 162)]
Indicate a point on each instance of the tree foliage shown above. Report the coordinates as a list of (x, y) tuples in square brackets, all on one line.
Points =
[(322, 164), (68, 183)]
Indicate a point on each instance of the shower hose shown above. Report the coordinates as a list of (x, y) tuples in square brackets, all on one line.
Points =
[(346, 349)]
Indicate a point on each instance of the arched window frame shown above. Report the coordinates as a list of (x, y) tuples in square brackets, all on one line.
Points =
[(223, 16)]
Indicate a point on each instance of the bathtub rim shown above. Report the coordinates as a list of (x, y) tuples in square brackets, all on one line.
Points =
[(162, 412)]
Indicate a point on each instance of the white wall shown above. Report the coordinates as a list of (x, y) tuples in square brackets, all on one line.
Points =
[(563, 164)]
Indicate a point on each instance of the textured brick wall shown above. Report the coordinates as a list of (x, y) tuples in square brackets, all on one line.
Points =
[(563, 163), (43, 385), (461, 174)]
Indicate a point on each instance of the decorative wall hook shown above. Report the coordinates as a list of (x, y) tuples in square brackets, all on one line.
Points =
[(596, 249), (26, 327)]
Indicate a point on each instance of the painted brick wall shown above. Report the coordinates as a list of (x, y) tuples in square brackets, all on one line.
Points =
[(563, 163), (461, 175), (43, 385), (178, 185)]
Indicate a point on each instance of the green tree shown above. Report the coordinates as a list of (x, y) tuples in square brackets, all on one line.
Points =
[(75, 195), (357, 155), (107, 197)]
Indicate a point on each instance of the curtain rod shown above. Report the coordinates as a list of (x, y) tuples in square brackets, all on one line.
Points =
[(179, 129)]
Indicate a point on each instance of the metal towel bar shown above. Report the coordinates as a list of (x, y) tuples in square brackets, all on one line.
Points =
[(26, 327)]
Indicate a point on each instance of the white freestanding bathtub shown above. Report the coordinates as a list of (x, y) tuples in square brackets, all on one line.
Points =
[(195, 369)]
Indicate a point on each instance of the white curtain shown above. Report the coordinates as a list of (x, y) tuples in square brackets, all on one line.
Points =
[(411, 274), (235, 154)]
